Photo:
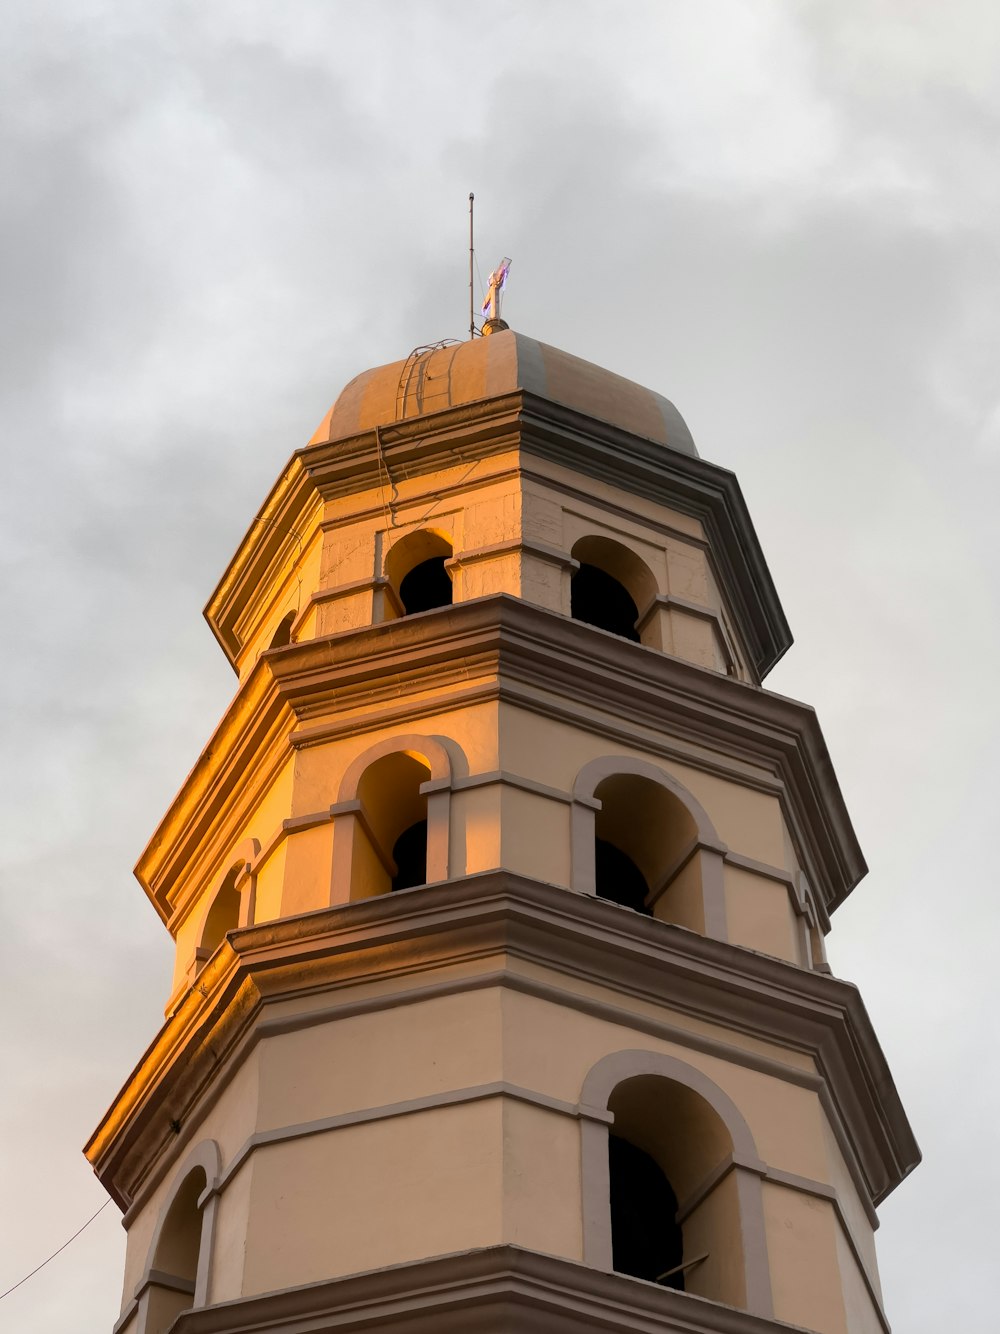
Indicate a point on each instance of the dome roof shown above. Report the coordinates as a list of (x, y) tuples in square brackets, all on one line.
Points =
[(433, 379)]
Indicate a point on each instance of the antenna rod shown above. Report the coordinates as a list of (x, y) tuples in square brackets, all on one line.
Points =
[(472, 299)]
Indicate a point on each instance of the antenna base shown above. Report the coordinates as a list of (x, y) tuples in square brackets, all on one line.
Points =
[(494, 326)]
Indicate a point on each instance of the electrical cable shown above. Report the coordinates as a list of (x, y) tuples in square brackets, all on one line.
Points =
[(55, 1253)]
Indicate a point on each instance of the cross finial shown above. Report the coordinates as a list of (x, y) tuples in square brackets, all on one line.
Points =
[(491, 306)]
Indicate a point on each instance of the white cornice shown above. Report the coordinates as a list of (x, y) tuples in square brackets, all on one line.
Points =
[(480, 1292)]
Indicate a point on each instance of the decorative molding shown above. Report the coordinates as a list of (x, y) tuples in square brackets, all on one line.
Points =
[(527, 646), (520, 545), (436, 750), (497, 914), (409, 1107), (493, 1290), (509, 779)]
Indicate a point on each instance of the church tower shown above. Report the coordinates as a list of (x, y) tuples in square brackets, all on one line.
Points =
[(499, 897)]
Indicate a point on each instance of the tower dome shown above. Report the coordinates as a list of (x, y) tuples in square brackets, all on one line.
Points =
[(435, 378)]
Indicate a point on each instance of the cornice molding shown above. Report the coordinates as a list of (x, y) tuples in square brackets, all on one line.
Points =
[(489, 1291), (683, 482), (478, 920)]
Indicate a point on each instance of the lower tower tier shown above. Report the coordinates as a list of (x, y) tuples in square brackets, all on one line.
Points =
[(398, 1112)]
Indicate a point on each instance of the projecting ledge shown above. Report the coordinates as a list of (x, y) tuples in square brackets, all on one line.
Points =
[(490, 1291)]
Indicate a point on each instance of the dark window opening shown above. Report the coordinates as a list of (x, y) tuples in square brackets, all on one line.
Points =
[(428, 585), (283, 633), (618, 878), (598, 599), (410, 855), (646, 1239)]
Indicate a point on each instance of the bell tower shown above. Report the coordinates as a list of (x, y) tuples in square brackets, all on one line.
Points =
[(499, 897)]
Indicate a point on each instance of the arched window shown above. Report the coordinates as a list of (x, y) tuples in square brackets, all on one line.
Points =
[(685, 1193), (391, 837), (223, 916), (640, 831), (283, 632), (180, 1238), (173, 1268), (392, 818), (666, 1146), (611, 587), (177, 1273), (640, 838), (415, 568)]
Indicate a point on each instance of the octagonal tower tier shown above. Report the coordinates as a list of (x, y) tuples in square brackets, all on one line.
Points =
[(498, 897)]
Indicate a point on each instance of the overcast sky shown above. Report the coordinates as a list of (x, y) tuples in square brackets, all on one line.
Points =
[(783, 216)]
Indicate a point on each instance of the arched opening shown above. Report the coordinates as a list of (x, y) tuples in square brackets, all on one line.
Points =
[(639, 834), (180, 1237), (390, 850), (646, 1238), (224, 914), (674, 1209), (283, 632), (611, 586), (174, 1264), (415, 568)]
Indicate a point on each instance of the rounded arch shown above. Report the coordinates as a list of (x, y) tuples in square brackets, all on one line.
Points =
[(611, 585), (415, 567), (228, 904), (663, 830), (619, 1066), (695, 1133), (435, 752), (178, 1261), (283, 630), (612, 766), (392, 819)]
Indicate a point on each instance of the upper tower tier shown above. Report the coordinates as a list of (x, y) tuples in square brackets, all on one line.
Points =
[(499, 457)]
